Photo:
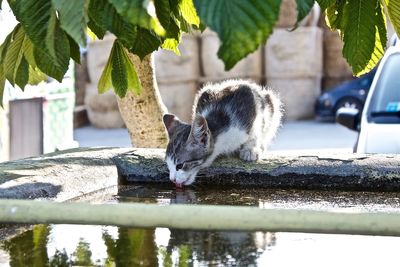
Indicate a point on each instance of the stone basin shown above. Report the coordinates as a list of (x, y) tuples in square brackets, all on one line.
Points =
[(65, 175), (276, 170)]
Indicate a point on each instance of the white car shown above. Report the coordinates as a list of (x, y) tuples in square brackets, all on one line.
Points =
[(379, 124)]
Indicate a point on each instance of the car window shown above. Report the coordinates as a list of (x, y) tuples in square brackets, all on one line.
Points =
[(386, 97)]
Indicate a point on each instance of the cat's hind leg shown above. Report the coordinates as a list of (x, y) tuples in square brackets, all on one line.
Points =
[(250, 151)]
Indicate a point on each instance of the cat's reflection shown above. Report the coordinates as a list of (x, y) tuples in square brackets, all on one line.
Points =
[(185, 196), (227, 247), (216, 247)]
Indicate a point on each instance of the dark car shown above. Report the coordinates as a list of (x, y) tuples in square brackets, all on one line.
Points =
[(350, 94)]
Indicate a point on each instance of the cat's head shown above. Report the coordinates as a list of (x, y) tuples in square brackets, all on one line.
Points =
[(188, 148)]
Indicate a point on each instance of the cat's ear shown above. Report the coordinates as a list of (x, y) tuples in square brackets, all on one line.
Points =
[(170, 122), (200, 132)]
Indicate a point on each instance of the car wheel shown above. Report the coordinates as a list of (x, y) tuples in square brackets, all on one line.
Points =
[(349, 102)]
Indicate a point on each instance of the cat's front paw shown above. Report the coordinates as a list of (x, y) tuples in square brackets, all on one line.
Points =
[(249, 154)]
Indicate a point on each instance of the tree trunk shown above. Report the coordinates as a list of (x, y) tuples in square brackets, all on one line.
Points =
[(143, 113)]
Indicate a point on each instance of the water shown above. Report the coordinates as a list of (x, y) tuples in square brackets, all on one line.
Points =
[(71, 245)]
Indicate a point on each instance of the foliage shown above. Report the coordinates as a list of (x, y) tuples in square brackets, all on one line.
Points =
[(133, 247), (50, 32), (362, 28), (241, 27), (60, 259), (82, 254)]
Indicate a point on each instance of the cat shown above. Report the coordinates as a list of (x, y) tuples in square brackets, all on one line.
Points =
[(234, 116)]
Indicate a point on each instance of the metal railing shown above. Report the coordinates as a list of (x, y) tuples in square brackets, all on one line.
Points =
[(200, 217)]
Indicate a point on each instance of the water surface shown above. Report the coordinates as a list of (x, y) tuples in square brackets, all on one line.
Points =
[(71, 245)]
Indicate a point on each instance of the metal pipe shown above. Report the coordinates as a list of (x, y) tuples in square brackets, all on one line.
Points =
[(200, 217)]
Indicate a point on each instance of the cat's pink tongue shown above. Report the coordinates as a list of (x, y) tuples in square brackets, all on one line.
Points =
[(178, 185)]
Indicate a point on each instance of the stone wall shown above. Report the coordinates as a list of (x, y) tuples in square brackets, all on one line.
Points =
[(178, 76), (336, 68), (213, 68), (295, 71)]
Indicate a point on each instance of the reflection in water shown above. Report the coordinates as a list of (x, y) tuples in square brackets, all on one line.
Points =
[(65, 245), (234, 248), (132, 247), (82, 254), (30, 249), (137, 247)]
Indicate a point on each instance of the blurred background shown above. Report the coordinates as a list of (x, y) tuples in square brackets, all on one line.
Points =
[(300, 65)]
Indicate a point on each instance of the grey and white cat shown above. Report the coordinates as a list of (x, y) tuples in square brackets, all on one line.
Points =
[(233, 116)]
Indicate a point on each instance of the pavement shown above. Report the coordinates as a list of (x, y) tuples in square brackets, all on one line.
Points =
[(298, 135)]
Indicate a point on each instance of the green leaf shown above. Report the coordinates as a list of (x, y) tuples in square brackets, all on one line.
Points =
[(48, 65), (28, 52), (303, 8), (173, 37), (381, 26), (174, 4), (134, 84), (242, 26), (2, 84), (119, 73), (74, 50), (134, 11), (324, 4), (337, 15), (380, 40), (103, 14), (171, 44), (4, 46), (14, 5), (202, 27), (144, 42), (52, 29), (393, 8), (57, 44), (14, 67), (163, 11), (173, 30), (105, 83), (96, 29), (73, 17), (123, 74), (189, 12), (22, 74), (34, 16), (181, 23), (14, 55), (178, 19), (35, 75), (51, 47), (363, 46)]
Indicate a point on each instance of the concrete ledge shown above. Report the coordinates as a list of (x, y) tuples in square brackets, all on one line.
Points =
[(285, 170), (70, 174), (59, 176)]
